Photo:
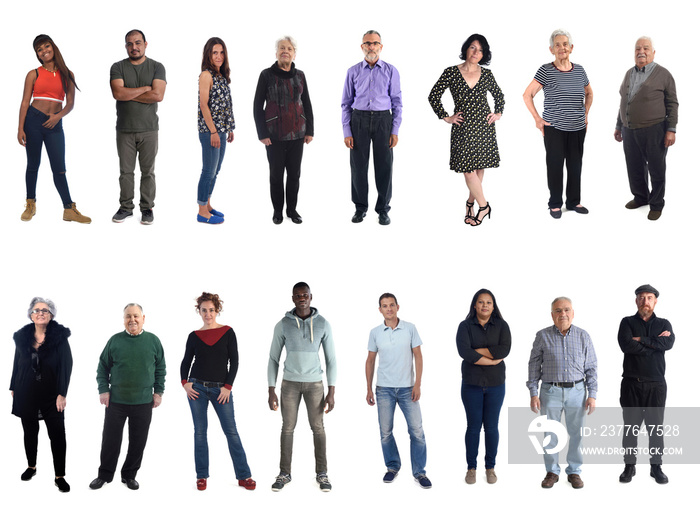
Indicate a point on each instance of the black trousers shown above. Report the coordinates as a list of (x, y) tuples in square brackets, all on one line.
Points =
[(371, 128), (139, 416), (643, 402), (285, 155), (645, 155), (563, 146), (57, 434)]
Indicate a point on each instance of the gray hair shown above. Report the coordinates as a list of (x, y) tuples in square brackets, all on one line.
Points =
[(134, 304), (647, 38), (560, 32), (47, 302), (372, 31), (562, 298), (286, 38)]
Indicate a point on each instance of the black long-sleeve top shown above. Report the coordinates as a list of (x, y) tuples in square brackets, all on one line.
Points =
[(215, 354), (494, 335), (644, 359), (53, 366), (282, 107)]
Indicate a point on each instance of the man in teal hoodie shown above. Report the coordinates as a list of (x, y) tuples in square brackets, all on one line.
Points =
[(302, 331)]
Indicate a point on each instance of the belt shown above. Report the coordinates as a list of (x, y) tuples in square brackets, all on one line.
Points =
[(564, 384), (208, 384)]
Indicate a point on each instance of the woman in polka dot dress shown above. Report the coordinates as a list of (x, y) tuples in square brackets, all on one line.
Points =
[(473, 141)]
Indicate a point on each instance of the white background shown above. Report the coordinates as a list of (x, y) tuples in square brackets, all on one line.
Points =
[(427, 256)]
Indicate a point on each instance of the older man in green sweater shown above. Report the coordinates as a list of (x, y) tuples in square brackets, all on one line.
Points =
[(131, 381)]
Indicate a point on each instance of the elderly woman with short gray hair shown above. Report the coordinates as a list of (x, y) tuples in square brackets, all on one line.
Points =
[(39, 385), (285, 122), (567, 99)]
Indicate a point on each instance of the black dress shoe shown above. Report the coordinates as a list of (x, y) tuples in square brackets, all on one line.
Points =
[(384, 218), (97, 483), (629, 472), (62, 485), (295, 217), (131, 483), (277, 220), (578, 210), (658, 475), (358, 216), (28, 474), (556, 214)]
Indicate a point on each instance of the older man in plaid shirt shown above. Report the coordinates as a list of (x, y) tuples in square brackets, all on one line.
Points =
[(563, 358)]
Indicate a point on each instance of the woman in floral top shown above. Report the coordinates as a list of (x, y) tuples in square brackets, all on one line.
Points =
[(216, 124)]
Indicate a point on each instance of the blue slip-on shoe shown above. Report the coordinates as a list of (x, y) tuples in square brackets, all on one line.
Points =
[(213, 220)]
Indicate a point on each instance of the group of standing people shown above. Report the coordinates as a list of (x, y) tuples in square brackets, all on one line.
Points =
[(371, 110), (562, 379)]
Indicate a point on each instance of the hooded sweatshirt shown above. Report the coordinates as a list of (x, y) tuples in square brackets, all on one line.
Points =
[(303, 339)]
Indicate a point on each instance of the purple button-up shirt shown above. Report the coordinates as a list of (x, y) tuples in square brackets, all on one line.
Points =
[(375, 88)]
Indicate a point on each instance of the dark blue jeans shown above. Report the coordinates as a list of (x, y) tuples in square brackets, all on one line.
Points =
[(483, 406), (55, 141), (228, 424)]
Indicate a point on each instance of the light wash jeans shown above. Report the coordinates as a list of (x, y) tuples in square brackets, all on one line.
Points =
[(291, 394), (387, 399), (228, 424), (212, 159), (570, 401)]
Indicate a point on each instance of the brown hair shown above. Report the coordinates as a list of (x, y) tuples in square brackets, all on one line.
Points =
[(214, 298), (224, 70), (60, 64)]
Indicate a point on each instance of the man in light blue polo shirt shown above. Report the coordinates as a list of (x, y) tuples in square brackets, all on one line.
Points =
[(398, 344)]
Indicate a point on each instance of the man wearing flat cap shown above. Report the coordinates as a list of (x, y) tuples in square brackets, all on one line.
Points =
[(644, 339)]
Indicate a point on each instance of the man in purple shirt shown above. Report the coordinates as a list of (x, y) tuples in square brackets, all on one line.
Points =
[(371, 113)]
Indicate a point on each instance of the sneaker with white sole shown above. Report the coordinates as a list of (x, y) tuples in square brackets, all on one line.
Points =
[(323, 482), (281, 480)]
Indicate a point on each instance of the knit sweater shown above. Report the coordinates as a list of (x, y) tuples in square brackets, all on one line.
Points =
[(215, 354), (654, 102), (303, 339), (132, 368)]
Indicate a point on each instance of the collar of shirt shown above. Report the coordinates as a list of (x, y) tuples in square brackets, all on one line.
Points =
[(475, 320), (366, 65), (646, 69), (398, 325), (131, 335)]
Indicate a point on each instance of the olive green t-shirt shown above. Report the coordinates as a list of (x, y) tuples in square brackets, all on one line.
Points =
[(133, 116)]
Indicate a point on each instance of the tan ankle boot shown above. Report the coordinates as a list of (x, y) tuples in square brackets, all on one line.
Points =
[(72, 214), (29, 210)]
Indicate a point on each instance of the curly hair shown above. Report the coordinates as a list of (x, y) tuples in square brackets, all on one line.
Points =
[(214, 298)]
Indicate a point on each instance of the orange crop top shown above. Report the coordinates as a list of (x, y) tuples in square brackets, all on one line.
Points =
[(48, 86)]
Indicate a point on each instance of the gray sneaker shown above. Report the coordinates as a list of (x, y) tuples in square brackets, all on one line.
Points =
[(323, 482), (280, 481), (147, 217), (121, 215)]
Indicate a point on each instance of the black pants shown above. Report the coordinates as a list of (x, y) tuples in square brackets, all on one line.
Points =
[(645, 154), (139, 416), (371, 127), (57, 434), (285, 155), (563, 146), (643, 402)]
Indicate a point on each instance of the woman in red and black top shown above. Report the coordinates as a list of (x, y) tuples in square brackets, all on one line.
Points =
[(40, 124), (215, 352)]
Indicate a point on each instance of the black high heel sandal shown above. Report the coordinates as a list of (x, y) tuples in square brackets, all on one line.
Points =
[(476, 220), (470, 213)]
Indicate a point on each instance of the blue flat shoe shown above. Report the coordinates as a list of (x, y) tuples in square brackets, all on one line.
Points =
[(213, 220), (216, 213)]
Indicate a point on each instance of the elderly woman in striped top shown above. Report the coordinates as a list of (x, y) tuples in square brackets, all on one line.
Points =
[(567, 99)]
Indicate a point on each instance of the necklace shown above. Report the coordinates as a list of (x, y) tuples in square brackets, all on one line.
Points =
[(54, 71)]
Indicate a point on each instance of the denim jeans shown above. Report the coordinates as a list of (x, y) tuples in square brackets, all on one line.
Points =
[(483, 406), (570, 401), (387, 399), (291, 394), (37, 136), (212, 158), (228, 424), (129, 146)]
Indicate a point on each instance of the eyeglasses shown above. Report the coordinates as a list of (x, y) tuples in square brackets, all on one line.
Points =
[(370, 44), (38, 311)]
